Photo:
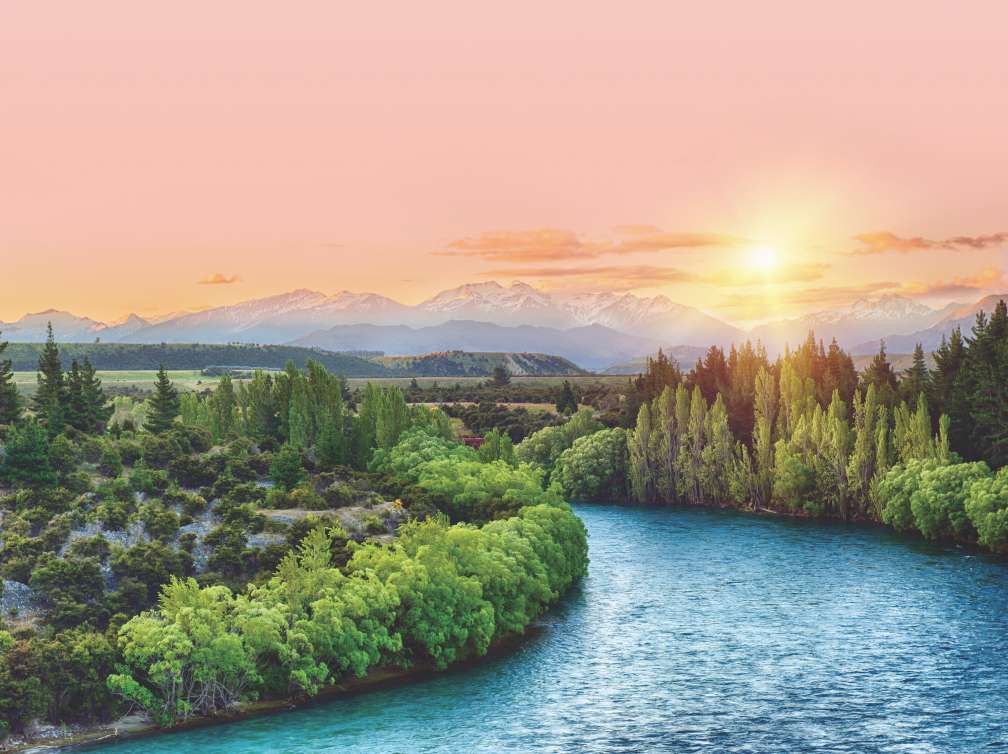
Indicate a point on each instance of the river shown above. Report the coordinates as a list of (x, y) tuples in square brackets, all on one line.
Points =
[(701, 630)]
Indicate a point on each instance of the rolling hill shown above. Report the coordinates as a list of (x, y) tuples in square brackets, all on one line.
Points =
[(480, 364)]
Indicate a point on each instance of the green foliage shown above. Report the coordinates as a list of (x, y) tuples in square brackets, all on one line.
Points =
[(496, 447), (566, 402), (286, 469), (26, 455), (438, 594), (987, 508), (10, 401), (164, 405), (595, 467), (544, 447)]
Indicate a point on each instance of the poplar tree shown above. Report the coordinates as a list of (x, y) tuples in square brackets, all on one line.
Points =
[(10, 401), (164, 405)]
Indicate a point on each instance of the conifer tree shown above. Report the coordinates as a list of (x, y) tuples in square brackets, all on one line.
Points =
[(164, 405), (501, 376), (916, 379), (50, 399), (880, 374), (10, 401), (26, 455), (97, 409), (567, 401), (74, 414)]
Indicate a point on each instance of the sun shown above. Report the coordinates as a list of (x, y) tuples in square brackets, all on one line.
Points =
[(763, 258)]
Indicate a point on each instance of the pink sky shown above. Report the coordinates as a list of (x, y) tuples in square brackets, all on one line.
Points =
[(333, 145)]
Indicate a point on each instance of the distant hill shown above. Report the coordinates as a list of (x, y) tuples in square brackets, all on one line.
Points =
[(479, 364), (132, 356), (118, 356), (592, 347), (685, 356)]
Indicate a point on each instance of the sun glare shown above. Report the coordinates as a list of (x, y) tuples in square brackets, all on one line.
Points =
[(763, 258)]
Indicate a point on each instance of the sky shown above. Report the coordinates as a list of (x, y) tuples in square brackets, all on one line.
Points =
[(753, 159)]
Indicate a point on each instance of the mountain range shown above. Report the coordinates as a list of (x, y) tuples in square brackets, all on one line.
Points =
[(594, 330)]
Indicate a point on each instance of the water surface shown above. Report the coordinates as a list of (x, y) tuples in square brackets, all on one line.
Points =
[(704, 631)]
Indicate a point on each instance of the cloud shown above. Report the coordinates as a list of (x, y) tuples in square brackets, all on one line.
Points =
[(553, 244), (884, 241), (821, 297), (989, 278), (219, 278), (608, 277)]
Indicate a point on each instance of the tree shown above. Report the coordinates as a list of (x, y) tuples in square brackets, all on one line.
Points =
[(285, 468), (50, 398), (10, 401), (594, 468), (501, 376), (26, 455), (880, 374), (164, 405), (916, 379), (566, 402)]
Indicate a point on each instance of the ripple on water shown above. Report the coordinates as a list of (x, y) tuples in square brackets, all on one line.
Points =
[(705, 631)]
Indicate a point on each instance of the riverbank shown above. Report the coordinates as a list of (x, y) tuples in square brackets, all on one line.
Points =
[(135, 726)]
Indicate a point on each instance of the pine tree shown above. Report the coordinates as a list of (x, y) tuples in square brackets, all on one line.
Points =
[(97, 408), (49, 399), (916, 380), (880, 374), (10, 401), (164, 405), (75, 413), (567, 401), (26, 455), (501, 376)]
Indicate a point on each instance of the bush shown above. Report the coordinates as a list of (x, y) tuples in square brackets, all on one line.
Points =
[(339, 495), (304, 496)]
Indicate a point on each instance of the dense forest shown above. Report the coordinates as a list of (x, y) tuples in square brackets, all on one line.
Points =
[(258, 541), (806, 434)]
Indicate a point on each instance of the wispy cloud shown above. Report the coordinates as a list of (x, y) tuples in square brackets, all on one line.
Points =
[(986, 279), (649, 275), (553, 244), (820, 296), (219, 278), (607, 277), (880, 242)]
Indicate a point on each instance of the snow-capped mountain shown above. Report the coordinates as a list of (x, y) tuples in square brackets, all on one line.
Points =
[(953, 316), (32, 328), (867, 319)]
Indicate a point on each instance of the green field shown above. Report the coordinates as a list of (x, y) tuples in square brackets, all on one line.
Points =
[(192, 379), (184, 379)]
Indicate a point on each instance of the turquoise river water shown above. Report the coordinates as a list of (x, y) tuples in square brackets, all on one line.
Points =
[(710, 631)]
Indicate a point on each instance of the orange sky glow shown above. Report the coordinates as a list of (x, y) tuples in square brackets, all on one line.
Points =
[(754, 159)]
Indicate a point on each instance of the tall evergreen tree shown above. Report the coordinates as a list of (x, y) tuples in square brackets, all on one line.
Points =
[(566, 402), (97, 409), (10, 401), (50, 399), (916, 379), (501, 376), (164, 405), (880, 374)]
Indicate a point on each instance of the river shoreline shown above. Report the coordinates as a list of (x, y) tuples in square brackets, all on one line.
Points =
[(132, 727)]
